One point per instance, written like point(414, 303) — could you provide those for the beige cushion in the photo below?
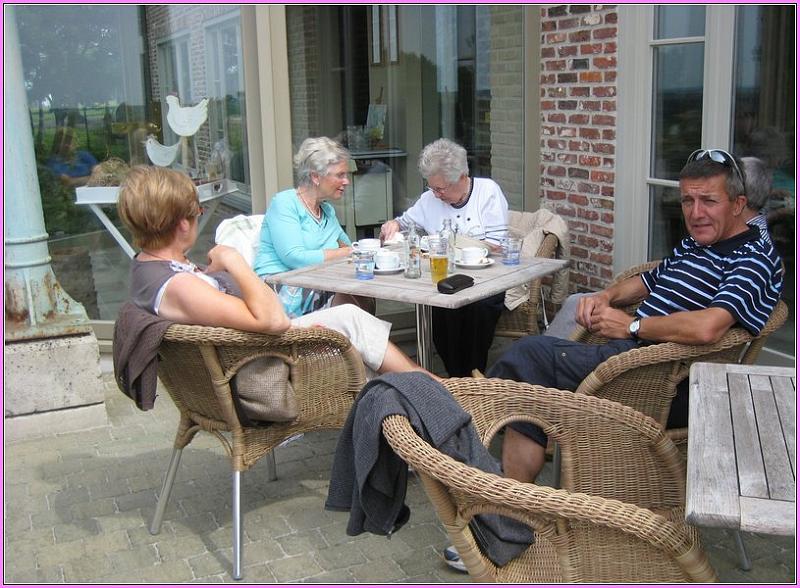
point(265, 391)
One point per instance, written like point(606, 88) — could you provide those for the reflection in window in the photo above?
point(673, 22)
point(175, 77)
point(677, 107)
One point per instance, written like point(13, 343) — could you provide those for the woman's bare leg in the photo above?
point(396, 361)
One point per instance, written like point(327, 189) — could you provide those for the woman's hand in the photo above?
point(388, 229)
point(340, 252)
point(223, 258)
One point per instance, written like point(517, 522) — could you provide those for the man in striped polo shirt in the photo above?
point(723, 274)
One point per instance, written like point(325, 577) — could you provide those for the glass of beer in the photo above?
point(437, 252)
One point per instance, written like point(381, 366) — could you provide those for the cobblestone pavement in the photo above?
point(77, 508)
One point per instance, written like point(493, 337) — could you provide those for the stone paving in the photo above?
point(77, 506)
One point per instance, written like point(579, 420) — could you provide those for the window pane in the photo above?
point(763, 127)
point(459, 74)
point(97, 84)
point(666, 221)
point(673, 22)
point(677, 107)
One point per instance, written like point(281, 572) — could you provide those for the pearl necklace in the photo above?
point(317, 215)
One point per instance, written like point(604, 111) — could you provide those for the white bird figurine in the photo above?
point(185, 120)
point(162, 155)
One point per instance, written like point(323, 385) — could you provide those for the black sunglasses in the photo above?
point(719, 156)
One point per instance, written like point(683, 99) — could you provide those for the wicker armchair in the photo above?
point(524, 320)
point(196, 366)
point(584, 533)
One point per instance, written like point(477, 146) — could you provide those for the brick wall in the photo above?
point(303, 55)
point(507, 62)
point(579, 115)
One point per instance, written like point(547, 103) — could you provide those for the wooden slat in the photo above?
point(786, 401)
point(752, 478)
point(712, 489)
point(768, 516)
point(765, 370)
point(773, 446)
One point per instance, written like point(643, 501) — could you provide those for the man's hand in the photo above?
point(611, 323)
point(588, 306)
point(388, 229)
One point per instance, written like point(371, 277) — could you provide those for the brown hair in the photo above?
point(152, 201)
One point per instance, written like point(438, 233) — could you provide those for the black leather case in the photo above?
point(454, 283)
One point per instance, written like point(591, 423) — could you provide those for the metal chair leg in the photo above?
point(166, 489)
point(237, 526)
point(272, 467)
point(744, 560)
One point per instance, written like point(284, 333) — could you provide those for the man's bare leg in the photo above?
point(523, 458)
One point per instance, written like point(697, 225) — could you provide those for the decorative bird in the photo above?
point(162, 155)
point(185, 120)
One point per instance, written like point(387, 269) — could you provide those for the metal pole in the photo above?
point(35, 304)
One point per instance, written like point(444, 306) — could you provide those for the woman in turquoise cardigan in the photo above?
point(301, 228)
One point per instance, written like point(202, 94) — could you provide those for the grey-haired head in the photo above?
point(316, 155)
point(444, 158)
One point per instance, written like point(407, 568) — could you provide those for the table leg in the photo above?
point(98, 212)
point(424, 321)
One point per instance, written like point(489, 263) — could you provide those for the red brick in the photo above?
point(603, 258)
point(601, 230)
point(588, 214)
point(579, 252)
point(607, 217)
point(604, 62)
point(567, 50)
point(591, 76)
point(591, 48)
point(603, 148)
point(578, 199)
point(609, 134)
point(604, 120)
point(579, 8)
point(555, 195)
point(587, 188)
point(546, 156)
point(579, 145)
point(577, 226)
point(592, 105)
point(555, 38)
point(601, 176)
point(609, 76)
point(582, 91)
point(606, 273)
point(589, 160)
point(567, 78)
point(556, 92)
point(557, 11)
point(608, 33)
point(607, 191)
point(578, 119)
point(610, 105)
point(587, 241)
point(557, 144)
point(555, 65)
point(568, 23)
point(576, 172)
point(597, 283)
point(557, 117)
point(579, 64)
point(548, 130)
point(548, 25)
point(548, 52)
point(603, 203)
point(556, 170)
point(610, 47)
point(548, 78)
point(589, 133)
point(567, 132)
point(567, 158)
point(567, 104)
point(580, 36)
point(578, 278)
point(547, 105)
point(609, 162)
point(604, 91)
point(611, 18)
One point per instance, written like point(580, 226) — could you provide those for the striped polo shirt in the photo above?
point(742, 274)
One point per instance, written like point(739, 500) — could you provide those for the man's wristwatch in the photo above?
point(633, 328)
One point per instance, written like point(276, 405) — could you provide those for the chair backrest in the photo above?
point(242, 233)
point(196, 365)
point(607, 449)
point(646, 378)
point(579, 538)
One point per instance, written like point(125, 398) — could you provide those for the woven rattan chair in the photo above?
point(196, 365)
point(524, 320)
point(584, 532)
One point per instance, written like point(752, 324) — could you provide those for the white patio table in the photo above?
point(339, 276)
point(741, 463)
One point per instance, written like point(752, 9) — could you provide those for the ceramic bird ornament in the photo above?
point(185, 120)
point(162, 155)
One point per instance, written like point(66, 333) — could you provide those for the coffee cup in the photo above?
point(367, 245)
point(473, 255)
point(387, 260)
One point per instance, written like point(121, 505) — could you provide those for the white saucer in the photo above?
point(386, 272)
point(487, 261)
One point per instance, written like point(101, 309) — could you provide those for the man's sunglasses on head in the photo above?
point(718, 155)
